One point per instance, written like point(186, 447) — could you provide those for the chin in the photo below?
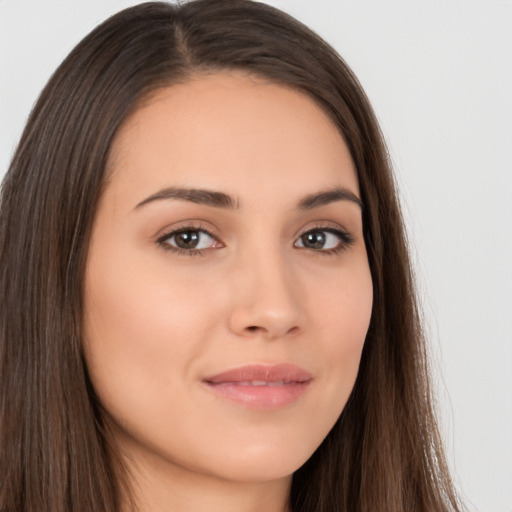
point(262, 462)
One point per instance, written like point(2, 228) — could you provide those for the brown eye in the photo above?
point(189, 239)
point(314, 239)
point(324, 240)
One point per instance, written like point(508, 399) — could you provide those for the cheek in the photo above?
point(342, 307)
point(144, 329)
point(342, 317)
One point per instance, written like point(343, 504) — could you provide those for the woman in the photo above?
point(207, 299)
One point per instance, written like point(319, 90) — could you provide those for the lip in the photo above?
point(261, 386)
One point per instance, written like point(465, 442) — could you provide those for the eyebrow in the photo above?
point(328, 196)
point(199, 196)
point(222, 200)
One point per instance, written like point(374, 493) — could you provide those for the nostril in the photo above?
point(252, 328)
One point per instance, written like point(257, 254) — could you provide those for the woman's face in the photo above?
point(227, 289)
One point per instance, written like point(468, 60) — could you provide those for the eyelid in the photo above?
point(187, 224)
point(183, 226)
point(346, 237)
point(325, 225)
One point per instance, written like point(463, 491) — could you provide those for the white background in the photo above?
point(439, 74)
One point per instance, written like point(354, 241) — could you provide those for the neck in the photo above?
point(170, 488)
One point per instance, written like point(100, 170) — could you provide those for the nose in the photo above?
point(266, 302)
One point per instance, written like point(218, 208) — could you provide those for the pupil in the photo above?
point(314, 239)
point(187, 239)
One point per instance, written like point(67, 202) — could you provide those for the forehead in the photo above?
point(233, 132)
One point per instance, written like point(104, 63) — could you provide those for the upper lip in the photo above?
point(284, 372)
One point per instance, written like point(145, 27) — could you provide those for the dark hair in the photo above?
point(384, 452)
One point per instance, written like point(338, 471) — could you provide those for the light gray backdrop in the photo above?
point(439, 74)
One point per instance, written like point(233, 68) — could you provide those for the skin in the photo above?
point(158, 322)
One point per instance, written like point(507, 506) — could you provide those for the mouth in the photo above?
point(263, 387)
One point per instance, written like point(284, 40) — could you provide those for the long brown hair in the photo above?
point(383, 454)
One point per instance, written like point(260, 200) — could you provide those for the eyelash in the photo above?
point(346, 240)
point(162, 241)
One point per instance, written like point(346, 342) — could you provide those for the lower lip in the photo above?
point(261, 397)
